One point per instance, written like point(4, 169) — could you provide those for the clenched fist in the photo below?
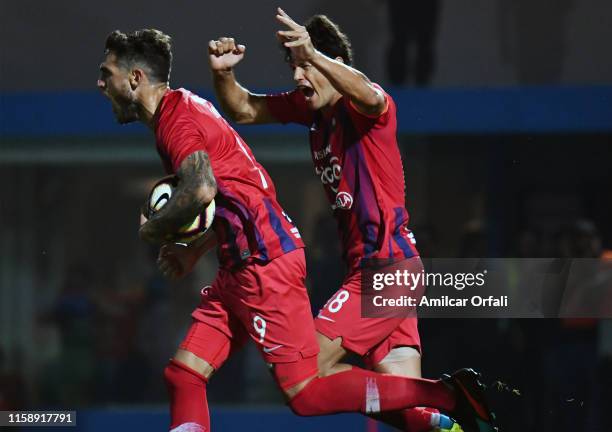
point(224, 53)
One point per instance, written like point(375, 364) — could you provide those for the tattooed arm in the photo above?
point(196, 188)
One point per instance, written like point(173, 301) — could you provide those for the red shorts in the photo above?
point(266, 302)
point(371, 338)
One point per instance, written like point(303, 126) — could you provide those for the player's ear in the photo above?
point(136, 77)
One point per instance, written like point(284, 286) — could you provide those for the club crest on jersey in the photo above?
point(344, 200)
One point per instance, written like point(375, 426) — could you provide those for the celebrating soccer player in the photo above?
point(352, 126)
point(259, 290)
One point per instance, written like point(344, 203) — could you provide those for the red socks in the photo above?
point(355, 390)
point(188, 404)
point(358, 390)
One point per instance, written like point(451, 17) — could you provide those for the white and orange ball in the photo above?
point(160, 195)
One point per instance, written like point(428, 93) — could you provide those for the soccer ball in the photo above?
point(160, 195)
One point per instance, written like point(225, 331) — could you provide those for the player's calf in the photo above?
point(188, 403)
point(368, 392)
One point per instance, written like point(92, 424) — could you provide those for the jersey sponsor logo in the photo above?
point(320, 154)
point(344, 200)
point(331, 174)
point(274, 348)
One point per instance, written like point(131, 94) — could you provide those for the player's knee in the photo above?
point(299, 409)
point(193, 362)
point(303, 402)
point(296, 379)
point(179, 376)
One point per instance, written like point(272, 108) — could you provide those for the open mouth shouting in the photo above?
point(306, 90)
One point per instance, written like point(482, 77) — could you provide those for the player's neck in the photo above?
point(149, 103)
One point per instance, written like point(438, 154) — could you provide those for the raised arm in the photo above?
point(346, 80)
point(195, 190)
point(237, 102)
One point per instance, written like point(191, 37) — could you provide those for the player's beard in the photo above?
point(125, 109)
point(126, 113)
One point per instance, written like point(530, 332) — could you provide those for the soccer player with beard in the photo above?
point(352, 125)
point(259, 290)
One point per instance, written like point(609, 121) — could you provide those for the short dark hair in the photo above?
point(327, 37)
point(149, 47)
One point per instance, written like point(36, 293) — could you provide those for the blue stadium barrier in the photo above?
point(552, 109)
point(222, 419)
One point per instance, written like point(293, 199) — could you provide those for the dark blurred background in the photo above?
point(505, 126)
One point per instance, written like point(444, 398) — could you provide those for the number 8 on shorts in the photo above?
point(336, 303)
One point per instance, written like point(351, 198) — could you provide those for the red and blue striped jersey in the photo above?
point(358, 161)
point(249, 222)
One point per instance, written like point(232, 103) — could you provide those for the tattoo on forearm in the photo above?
point(196, 187)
